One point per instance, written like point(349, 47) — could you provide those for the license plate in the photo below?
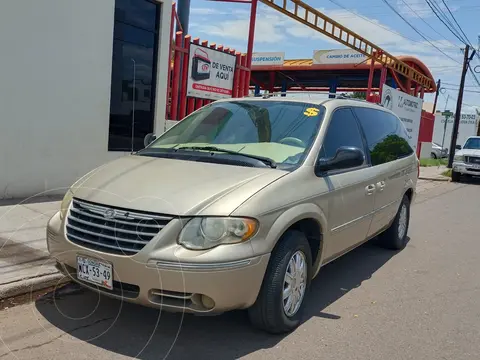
point(95, 272)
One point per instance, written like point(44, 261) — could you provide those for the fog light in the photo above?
point(208, 302)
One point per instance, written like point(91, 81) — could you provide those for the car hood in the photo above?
point(468, 152)
point(170, 186)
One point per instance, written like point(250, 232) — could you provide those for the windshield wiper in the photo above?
point(265, 160)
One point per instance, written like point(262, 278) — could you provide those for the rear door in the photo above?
point(392, 161)
point(350, 199)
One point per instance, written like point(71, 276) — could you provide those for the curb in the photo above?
point(26, 286)
point(443, 178)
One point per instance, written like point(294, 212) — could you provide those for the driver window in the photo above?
point(343, 130)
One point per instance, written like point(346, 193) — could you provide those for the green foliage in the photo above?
point(359, 95)
point(390, 149)
point(433, 162)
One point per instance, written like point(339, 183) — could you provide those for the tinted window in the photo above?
point(387, 138)
point(133, 73)
point(136, 12)
point(343, 130)
point(281, 130)
point(472, 143)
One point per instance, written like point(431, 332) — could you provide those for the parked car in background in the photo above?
point(438, 152)
point(467, 159)
point(238, 206)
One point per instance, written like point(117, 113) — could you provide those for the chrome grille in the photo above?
point(112, 230)
point(472, 160)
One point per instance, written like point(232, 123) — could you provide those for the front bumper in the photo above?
point(466, 168)
point(186, 282)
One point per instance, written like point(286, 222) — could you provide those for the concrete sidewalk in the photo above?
point(433, 173)
point(24, 262)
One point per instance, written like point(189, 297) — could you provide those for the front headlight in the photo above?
point(67, 199)
point(458, 158)
point(207, 233)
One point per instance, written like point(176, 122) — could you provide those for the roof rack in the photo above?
point(329, 94)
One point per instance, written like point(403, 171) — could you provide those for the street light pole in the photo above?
point(446, 121)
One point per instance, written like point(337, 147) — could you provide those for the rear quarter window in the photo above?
point(386, 136)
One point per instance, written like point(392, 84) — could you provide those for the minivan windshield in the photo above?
point(280, 131)
point(472, 143)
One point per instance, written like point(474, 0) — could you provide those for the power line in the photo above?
point(417, 31)
point(434, 9)
point(421, 18)
point(373, 22)
point(456, 85)
point(470, 91)
point(456, 22)
point(474, 76)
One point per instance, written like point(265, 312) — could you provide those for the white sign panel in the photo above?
point(268, 58)
point(466, 128)
point(407, 107)
point(210, 73)
point(346, 56)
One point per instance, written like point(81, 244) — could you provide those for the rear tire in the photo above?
point(395, 237)
point(272, 312)
point(433, 156)
point(455, 176)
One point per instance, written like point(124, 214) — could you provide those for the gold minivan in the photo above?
point(238, 206)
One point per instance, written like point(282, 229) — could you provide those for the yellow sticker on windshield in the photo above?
point(311, 112)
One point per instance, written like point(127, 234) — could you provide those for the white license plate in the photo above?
point(95, 272)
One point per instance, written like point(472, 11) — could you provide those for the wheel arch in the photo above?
point(310, 220)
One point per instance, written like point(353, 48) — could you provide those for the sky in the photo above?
point(438, 48)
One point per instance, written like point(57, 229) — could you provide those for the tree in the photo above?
point(359, 95)
point(355, 95)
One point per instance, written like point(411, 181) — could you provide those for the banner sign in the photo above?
point(346, 56)
point(268, 58)
point(210, 73)
point(407, 107)
point(442, 132)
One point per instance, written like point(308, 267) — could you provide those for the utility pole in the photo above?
point(458, 111)
point(439, 83)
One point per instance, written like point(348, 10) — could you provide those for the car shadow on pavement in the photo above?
point(146, 333)
point(473, 180)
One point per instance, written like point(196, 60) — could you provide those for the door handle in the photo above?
point(381, 185)
point(370, 189)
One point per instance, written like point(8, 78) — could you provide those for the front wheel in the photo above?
point(433, 156)
point(280, 303)
point(395, 237)
point(455, 176)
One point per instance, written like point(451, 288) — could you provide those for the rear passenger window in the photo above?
point(343, 130)
point(386, 136)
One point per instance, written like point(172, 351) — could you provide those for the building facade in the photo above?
point(81, 83)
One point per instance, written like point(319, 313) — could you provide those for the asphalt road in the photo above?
point(421, 303)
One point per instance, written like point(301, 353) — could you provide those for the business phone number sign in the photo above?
point(210, 73)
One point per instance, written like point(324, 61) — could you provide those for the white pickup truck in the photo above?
point(467, 159)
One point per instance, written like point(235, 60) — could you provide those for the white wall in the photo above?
point(55, 77)
point(466, 128)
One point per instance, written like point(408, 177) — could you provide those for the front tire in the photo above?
point(433, 156)
point(281, 301)
point(455, 176)
point(395, 237)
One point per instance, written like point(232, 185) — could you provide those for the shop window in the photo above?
point(134, 69)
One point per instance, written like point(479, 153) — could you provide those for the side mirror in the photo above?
point(458, 147)
point(148, 139)
point(345, 158)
